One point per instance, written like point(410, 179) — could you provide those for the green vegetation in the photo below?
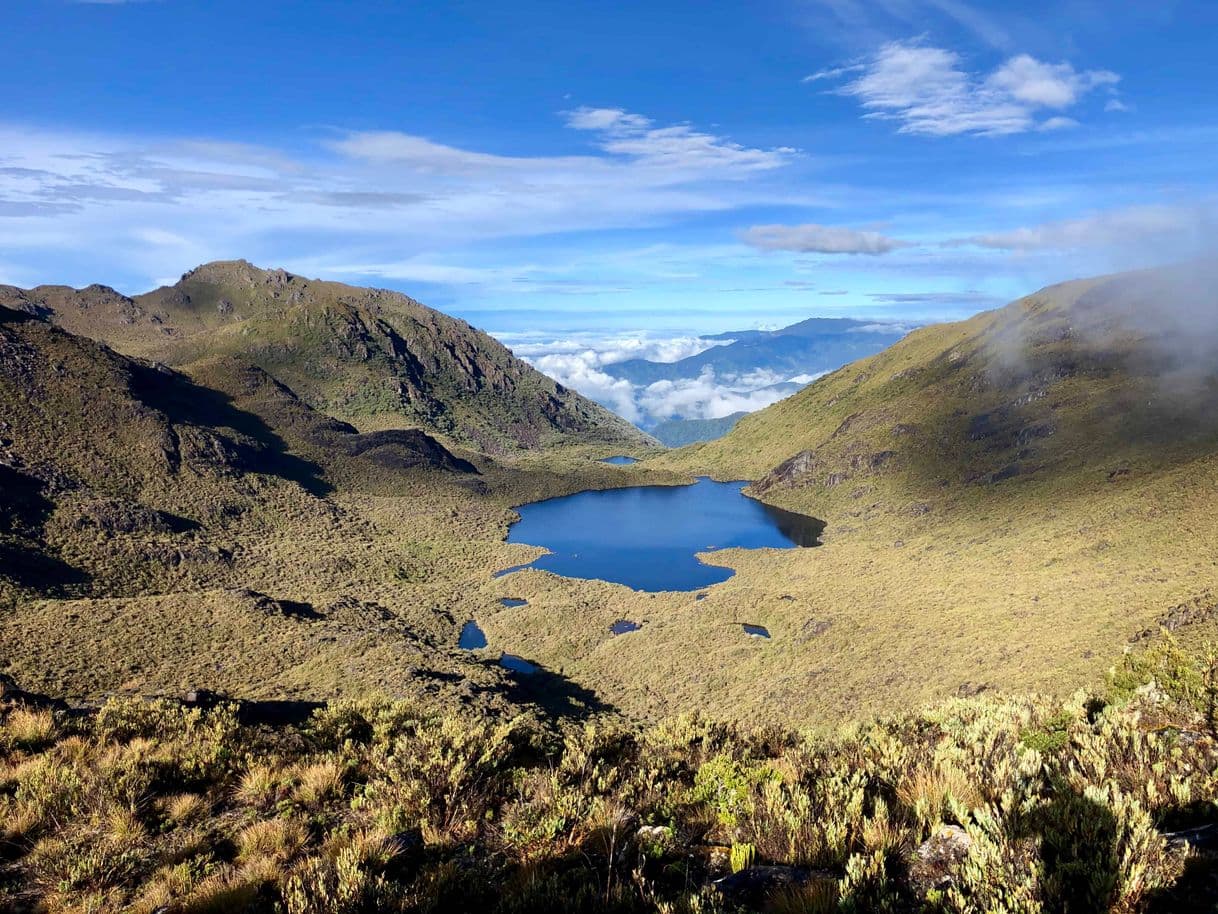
point(155, 806)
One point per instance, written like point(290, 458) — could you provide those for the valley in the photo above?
point(355, 566)
point(992, 527)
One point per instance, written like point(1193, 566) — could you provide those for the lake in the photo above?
point(621, 460)
point(647, 537)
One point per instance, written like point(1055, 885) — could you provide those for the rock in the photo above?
point(202, 697)
point(409, 840)
point(814, 628)
point(787, 473)
point(938, 856)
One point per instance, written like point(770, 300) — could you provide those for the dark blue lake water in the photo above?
point(646, 537)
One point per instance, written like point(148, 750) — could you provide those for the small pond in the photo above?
point(513, 602)
point(516, 664)
point(624, 627)
point(620, 461)
point(756, 631)
point(474, 639)
point(647, 537)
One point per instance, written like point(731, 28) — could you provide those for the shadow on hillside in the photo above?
point(50, 576)
point(1195, 892)
point(23, 507)
point(277, 712)
point(263, 450)
point(553, 693)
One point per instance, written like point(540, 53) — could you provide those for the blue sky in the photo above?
point(578, 167)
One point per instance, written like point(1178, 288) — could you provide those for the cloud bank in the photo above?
point(354, 198)
point(581, 362)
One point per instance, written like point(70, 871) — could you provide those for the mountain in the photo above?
point(809, 347)
point(680, 432)
point(115, 469)
point(1074, 382)
point(374, 358)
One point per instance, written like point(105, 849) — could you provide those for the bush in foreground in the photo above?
point(987, 804)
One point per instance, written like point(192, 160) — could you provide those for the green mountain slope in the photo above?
point(376, 358)
point(1084, 384)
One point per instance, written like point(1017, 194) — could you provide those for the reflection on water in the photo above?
point(756, 631)
point(624, 626)
point(512, 601)
point(620, 461)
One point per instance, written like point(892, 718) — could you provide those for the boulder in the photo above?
point(937, 857)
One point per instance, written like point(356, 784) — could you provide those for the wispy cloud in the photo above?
point(370, 194)
point(928, 92)
point(873, 19)
point(1179, 228)
point(820, 239)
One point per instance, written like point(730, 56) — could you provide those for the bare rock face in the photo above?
point(788, 473)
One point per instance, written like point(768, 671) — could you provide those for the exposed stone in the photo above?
point(936, 859)
point(1197, 610)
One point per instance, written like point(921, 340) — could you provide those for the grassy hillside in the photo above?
point(376, 358)
point(1073, 383)
point(680, 432)
point(162, 532)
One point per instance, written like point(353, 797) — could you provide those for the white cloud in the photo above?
point(822, 239)
point(579, 371)
point(1057, 123)
point(361, 197)
point(1047, 85)
point(806, 379)
point(608, 350)
point(927, 90)
point(580, 362)
point(1178, 227)
point(679, 146)
point(704, 397)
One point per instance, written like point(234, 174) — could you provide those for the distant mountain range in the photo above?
point(757, 367)
point(811, 347)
